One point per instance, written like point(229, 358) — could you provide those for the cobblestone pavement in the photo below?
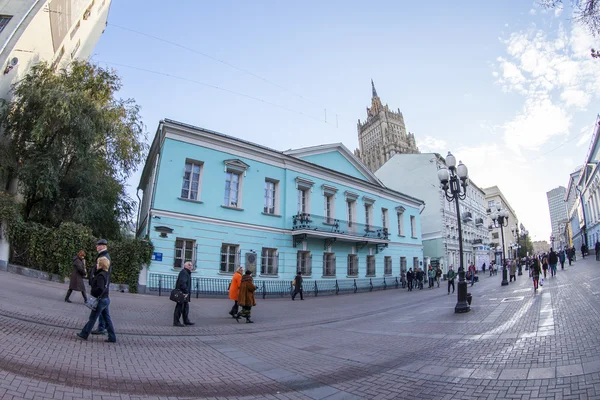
point(514, 344)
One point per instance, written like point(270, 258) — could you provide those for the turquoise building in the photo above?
point(222, 202)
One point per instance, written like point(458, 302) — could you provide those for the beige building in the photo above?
point(495, 198)
point(382, 135)
point(541, 246)
point(56, 31)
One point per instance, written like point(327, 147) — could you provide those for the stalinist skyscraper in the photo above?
point(382, 135)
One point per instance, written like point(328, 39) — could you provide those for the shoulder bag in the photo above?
point(92, 302)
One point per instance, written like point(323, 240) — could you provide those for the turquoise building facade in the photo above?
point(221, 202)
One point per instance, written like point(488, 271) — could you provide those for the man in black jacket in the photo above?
point(184, 283)
point(298, 286)
point(552, 260)
point(102, 249)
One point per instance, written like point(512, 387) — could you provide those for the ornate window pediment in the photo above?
point(236, 164)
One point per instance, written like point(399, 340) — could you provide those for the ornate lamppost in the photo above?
point(454, 180)
point(584, 231)
point(500, 220)
point(523, 234)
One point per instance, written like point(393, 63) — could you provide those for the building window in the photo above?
point(328, 264)
point(4, 20)
point(387, 265)
point(495, 235)
point(230, 258)
point(400, 216)
point(232, 189)
point(403, 265)
point(271, 196)
point(59, 57)
point(185, 250)
point(303, 198)
point(351, 207)
point(74, 52)
point(370, 265)
point(191, 180)
point(304, 263)
point(352, 265)
point(384, 218)
point(269, 261)
point(73, 32)
point(368, 217)
point(329, 208)
point(415, 263)
point(413, 226)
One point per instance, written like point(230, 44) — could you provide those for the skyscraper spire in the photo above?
point(374, 90)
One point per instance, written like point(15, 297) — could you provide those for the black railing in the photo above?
point(305, 221)
point(162, 284)
point(479, 221)
point(477, 241)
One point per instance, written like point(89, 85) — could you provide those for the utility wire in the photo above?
point(214, 87)
point(214, 59)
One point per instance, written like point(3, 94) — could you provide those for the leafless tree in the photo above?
point(587, 12)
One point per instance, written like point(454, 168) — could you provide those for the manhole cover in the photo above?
point(509, 299)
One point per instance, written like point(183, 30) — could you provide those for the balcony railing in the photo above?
point(466, 217)
point(319, 223)
point(477, 241)
point(479, 222)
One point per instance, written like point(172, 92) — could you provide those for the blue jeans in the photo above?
point(100, 311)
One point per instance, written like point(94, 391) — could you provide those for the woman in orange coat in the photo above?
point(234, 291)
point(246, 298)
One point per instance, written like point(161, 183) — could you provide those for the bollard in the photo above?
point(337, 287)
point(384, 284)
point(264, 290)
point(370, 285)
point(396, 282)
point(316, 289)
point(159, 285)
point(355, 287)
point(197, 288)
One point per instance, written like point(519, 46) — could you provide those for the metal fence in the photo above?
point(162, 284)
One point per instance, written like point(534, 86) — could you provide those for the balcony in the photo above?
point(466, 216)
point(479, 222)
point(331, 229)
point(477, 241)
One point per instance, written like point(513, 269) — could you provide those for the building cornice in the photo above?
point(214, 140)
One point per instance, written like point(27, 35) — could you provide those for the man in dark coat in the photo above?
point(102, 249)
point(298, 286)
point(409, 279)
point(184, 283)
point(552, 260)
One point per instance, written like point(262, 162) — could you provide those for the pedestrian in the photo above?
point(552, 260)
point(451, 275)
point(420, 276)
point(561, 258)
point(246, 299)
point(513, 271)
point(583, 251)
point(184, 283)
point(597, 250)
point(409, 279)
point(438, 275)
point(102, 250)
point(79, 272)
point(545, 264)
point(234, 290)
point(297, 283)
point(570, 255)
point(472, 270)
point(431, 276)
point(483, 268)
point(534, 270)
point(100, 290)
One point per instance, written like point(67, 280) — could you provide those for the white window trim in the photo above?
point(329, 219)
point(239, 190)
point(400, 220)
point(413, 226)
point(236, 249)
point(277, 196)
point(385, 221)
point(200, 175)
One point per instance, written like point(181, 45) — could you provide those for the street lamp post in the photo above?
point(500, 220)
point(454, 180)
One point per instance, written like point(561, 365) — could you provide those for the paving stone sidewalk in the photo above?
point(514, 344)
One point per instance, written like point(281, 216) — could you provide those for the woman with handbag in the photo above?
point(79, 272)
point(100, 289)
point(246, 298)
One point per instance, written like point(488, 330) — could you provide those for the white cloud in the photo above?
point(557, 78)
point(430, 144)
point(532, 11)
point(558, 10)
point(586, 134)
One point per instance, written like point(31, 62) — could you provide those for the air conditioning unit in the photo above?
point(250, 262)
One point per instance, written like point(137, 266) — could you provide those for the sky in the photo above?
point(507, 86)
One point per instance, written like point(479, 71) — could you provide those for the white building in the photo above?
point(55, 31)
point(495, 198)
point(416, 174)
point(558, 216)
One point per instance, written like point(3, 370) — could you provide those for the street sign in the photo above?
point(157, 256)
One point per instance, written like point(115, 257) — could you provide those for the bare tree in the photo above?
point(587, 12)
